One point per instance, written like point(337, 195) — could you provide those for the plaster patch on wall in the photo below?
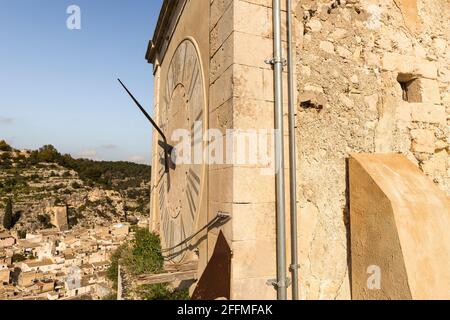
point(410, 14)
point(374, 21)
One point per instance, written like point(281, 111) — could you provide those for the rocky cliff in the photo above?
point(95, 193)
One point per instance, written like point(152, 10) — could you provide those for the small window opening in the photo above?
point(404, 86)
point(406, 82)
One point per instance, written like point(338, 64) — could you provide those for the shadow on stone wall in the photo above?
point(346, 217)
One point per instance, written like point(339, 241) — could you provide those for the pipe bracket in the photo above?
point(280, 284)
point(223, 215)
point(293, 267)
point(274, 61)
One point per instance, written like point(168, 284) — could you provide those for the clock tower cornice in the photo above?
point(170, 13)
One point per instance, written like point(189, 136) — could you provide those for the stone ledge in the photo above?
point(408, 65)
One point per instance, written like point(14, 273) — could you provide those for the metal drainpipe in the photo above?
point(279, 154)
point(292, 158)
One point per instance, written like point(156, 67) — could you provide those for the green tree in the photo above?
point(8, 217)
point(4, 146)
point(48, 153)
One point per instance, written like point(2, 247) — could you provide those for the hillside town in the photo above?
point(59, 265)
point(62, 218)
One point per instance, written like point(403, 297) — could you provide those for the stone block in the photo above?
point(222, 59)
point(344, 52)
point(221, 118)
point(403, 115)
point(240, 289)
point(409, 66)
point(248, 82)
point(314, 25)
point(338, 33)
point(221, 31)
point(253, 221)
point(253, 114)
point(436, 165)
point(221, 185)
point(218, 8)
point(444, 75)
point(4, 276)
point(423, 141)
point(428, 112)
point(252, 19)
point(423, 90)
point(221, 90)
point(326, 46)
point(252, 50)
point(251, 186)
point(254, 259)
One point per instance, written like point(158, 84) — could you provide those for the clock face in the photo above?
point(182, 107)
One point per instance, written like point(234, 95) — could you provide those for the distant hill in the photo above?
point(95, 191)
point(116, 175)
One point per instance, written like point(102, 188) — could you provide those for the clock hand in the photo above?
point(163, 144)
point(168, 149)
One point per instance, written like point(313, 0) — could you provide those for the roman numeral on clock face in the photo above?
point(192, 192)
point(194, 181)
point(194, 81)
point(162, 196)
point(196, 134)
point(184, 55)
point(183, 232)
point(165, 224)
point(172, 233)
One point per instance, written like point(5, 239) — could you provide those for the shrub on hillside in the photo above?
point(4, 146)
point(143, 256)
point(45, 221)
point(161, 292)
point(8, 216)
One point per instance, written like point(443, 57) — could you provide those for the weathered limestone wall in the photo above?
point(353, 60)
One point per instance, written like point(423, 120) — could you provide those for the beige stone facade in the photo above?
point(371, 76)
point(4, 276)
point(59, 217)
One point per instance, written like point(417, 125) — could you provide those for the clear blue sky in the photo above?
point(58, 86)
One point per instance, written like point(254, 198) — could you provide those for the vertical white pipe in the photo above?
point(292, 157)
point(279, 154)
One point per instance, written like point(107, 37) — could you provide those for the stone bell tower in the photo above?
point(371, 78)
point(233, 39)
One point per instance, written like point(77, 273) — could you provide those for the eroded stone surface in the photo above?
point(390, 41)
